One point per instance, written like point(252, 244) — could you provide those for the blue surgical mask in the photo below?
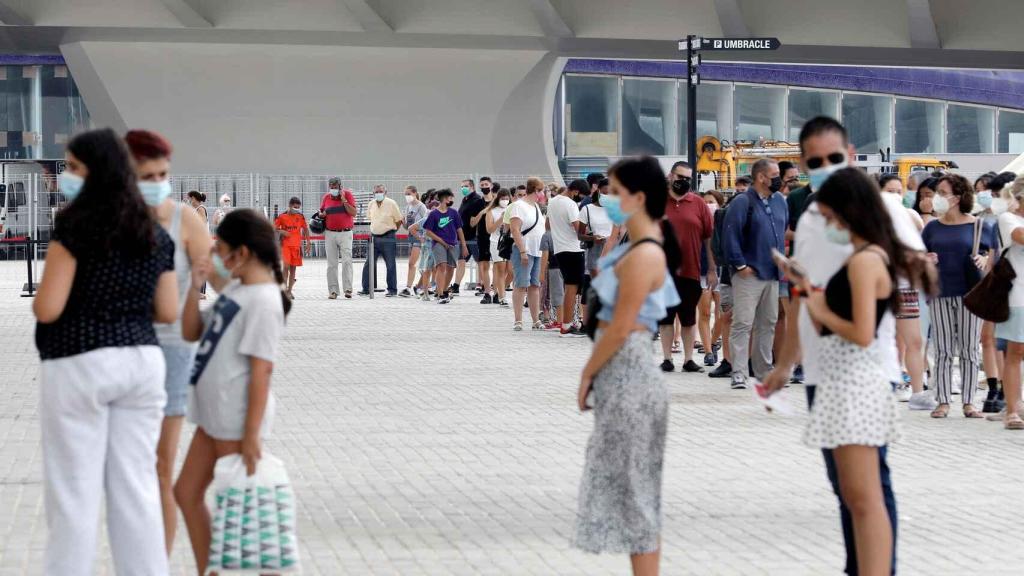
point(613, 206)
point(818, 176)
point(984, 198)
point(70, 185)
point(154, 193)
point(837, 235)
point(379, 196)
point(219, 267)
point(910, 198)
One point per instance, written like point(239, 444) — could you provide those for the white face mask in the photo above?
point(503, 203)
point(378, 196)
point(940, 205)
point(1000, 205)
point(335, 192)
point(713, 206)
point(409, 199)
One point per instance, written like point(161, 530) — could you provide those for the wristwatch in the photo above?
point(740, 268)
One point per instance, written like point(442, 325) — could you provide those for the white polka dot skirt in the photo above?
point(854, 403)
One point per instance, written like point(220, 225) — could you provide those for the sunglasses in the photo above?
point(833, 158)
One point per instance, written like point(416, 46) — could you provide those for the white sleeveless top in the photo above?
point(170, 334)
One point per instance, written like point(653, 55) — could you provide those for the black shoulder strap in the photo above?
point(536, 220)
point(644, 241)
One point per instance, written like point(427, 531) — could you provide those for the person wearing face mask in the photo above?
point(385, 220)
point(958, 244)
point(709, 292)
point(692, 226)
point(754, 224)
point(415, 210)
point(222, 210)
point(495, 213)
point(790, 177)
point(619, 504)
point(854, 414)
point(230, 400)
point(152, 155)
point(1010, 205)
point(294, 240)
point(444, 227)
point(825, 151)
point(471, 205)
point(483, 240)
point(923, 199)
point(527, 223)
point(338, 209)
point(101, 375)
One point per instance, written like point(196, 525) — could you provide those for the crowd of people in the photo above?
point(844, 284)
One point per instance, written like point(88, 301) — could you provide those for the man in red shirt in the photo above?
point(691, 223)
point(338, 208)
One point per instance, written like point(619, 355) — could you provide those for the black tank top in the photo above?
point(839, 297)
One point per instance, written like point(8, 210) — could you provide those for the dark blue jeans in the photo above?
point(384, 246)
point(844, 512)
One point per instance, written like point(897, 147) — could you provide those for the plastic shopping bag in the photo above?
point(253, 527)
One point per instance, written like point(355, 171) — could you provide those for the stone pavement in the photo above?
point(427, 439)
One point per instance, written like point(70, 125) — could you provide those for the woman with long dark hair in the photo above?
point(854, 412)
point(620, 493)
point(109, 276)
point(923, 199)
point(495, 211)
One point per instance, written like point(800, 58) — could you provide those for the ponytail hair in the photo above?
point(246, 227)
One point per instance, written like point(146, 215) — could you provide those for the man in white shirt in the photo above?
point(563, 214)
point(825, 149)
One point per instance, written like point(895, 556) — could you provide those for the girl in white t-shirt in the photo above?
point(494, 224)
point(230, 400)
point(1011, 230)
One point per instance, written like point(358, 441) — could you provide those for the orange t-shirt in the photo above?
point(293, 225)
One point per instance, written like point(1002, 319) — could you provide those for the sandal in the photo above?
point(1013, 422)
point(971, 412)
point(941, 411)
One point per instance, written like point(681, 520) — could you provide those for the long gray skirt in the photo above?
point(620, 493)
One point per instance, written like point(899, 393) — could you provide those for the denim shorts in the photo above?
point(528, 275)
point(179, 359)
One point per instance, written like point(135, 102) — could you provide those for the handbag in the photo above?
point(505, 241)
point(253, 528)
point(588, 244)
point(990, 297)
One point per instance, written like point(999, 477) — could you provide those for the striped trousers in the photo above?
point(957, 332)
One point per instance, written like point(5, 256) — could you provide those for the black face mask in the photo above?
point(776, 184)
point(485, 191)
point(681, 185)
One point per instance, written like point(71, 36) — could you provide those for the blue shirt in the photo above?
point(753, 226)
point(606, 286)
point(953, 244)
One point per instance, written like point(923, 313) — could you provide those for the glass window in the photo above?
point(648, 117)
point(969, 129)
point(714, 112)
point(760, 112)
point(807, 104)
point(919, 127)
point(64, 112)
point(868, 119)
point(1011, 132)
point(17, 111)
point(591, 115)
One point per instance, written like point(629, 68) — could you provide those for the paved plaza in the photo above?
point(433, 440)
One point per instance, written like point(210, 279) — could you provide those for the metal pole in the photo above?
point(28, 262)
point(691, 104)
point(371, 261)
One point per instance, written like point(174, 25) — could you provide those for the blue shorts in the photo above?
point(528, 275)
point(474, 251)
point(179, 359)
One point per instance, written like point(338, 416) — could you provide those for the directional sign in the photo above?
point(740, 44)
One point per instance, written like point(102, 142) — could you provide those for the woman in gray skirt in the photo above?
point(620, 493)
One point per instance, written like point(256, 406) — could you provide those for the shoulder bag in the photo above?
point(989, 299)
point(505, 241)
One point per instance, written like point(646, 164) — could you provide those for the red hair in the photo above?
point(146, 145)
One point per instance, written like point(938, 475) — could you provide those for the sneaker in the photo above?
point(692, 366)
point(454, 289)
point(538, 325)
point(903, 393)
point(739, 381)
point(571, 332)
point(425, 297)
point(923, 401)
point(553, 326)
point(668, 366)
point(444, 300)
point(495, 300)
point(798, 374)
point(348, 294)
point(711, 359)
point(333, 296)
point(405, 293)
point(486, 299)
point(391, 294)
point(504, 303)
point(517, 326)
point(906, 378)
point(724, 370)
point(361, 293)
point(699, 348)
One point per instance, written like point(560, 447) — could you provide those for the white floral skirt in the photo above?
point(854, 403)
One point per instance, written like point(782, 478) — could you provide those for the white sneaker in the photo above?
point(923, 400)
point(903, 393)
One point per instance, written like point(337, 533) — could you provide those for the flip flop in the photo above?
point(1013, 422)
point(941, 411)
